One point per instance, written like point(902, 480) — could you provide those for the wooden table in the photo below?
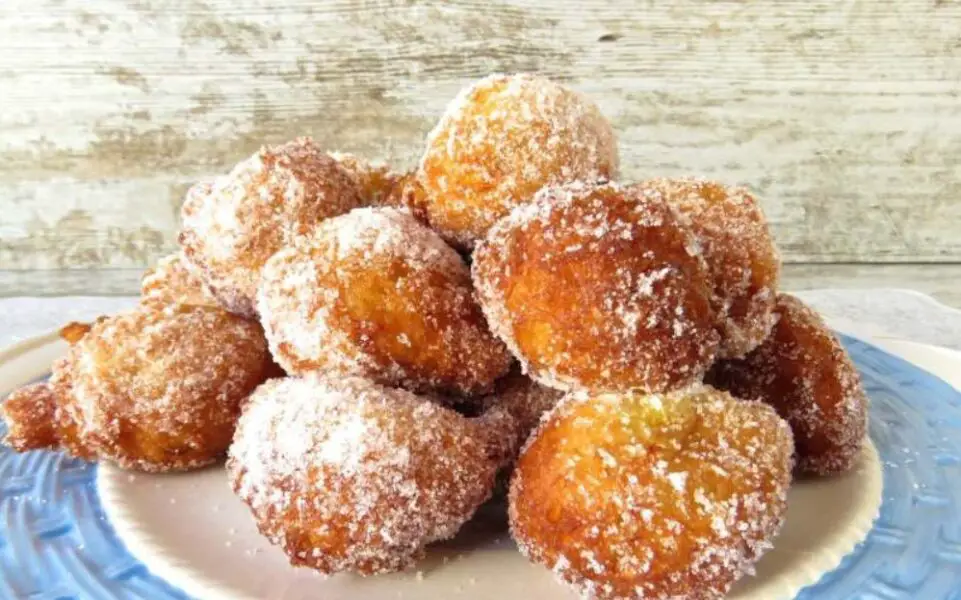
point(844, 117)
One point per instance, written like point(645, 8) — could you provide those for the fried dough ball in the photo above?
point(347, 475)
point(741, 257)
point(500, 431)
point(502, 139)
point(38, 416)
point(29, 414)
point(379, 186)
point(158, 389)
point(661, 496)
point(806, 375)
point(597, 287)
point(67, 415)
point(374, 293)
point(261, 206)
point(171, 281)
point(513, 411)
point(374, 182)
point(526, 399)
point(408, 194)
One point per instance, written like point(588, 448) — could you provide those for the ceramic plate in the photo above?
point(72, 530)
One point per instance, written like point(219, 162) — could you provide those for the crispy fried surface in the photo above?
point(501, 140)
point(512, 412)
point(171, 281)
point(231, 228)
point(807, 376)
point(526, 399)
point(661, 496)
point(158, 389)
point(67, 416)
point(740, 254)
point(73, 332)
point(29, 414)
point(595, 286)
point(407, 194)
point(374, 181)
point(377, 294)
point(347, 475)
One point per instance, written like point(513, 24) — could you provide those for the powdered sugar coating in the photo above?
point(347, 475)
point(408, 194)
point(740, 254)
point(526, 399)
point(172, 281)
point(29, 414)
point(67, 416)
point(158, 389)
point(501, 432)
point(513, 411)
point(375, 293)
point(262, 205)
point(666, 496)
point(806, 375)
point(502, 139)
point(598, 287)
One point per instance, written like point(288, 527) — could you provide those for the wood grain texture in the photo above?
point(845, 117)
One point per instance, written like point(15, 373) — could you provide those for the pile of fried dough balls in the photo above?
point(374, 351)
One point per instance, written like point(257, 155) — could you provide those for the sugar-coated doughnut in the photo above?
point(806, 375)
point(659, 497)
point(598, 287)
point(375, 293)
point(171, 281)
point(502, 139)
point(158, 389)
point(348, 475)
point(231, 228)
point(741, 257)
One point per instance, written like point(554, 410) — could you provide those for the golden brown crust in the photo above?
point(29, 414)
point(375, 293)
point(171, 281)
point(526, 399)
point(741, 257)
point(66, 416)
point(598, 287)
point(664, 496)
point(806, 375)
point(347, 475)
point(158, 389)
point(512, 412)
point(501, 140)
point(74, 331)
point(407, 194)
point(375, 182)
point(231, 228)
point(501, 433)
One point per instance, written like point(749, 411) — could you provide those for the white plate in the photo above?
point(193, 532)
point(190, 530)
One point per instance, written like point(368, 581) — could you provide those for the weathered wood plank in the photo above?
point(939, 281)
point(87, 223)
point(845, 117)
point(70, 282)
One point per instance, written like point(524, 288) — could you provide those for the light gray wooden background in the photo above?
point(843, 115)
